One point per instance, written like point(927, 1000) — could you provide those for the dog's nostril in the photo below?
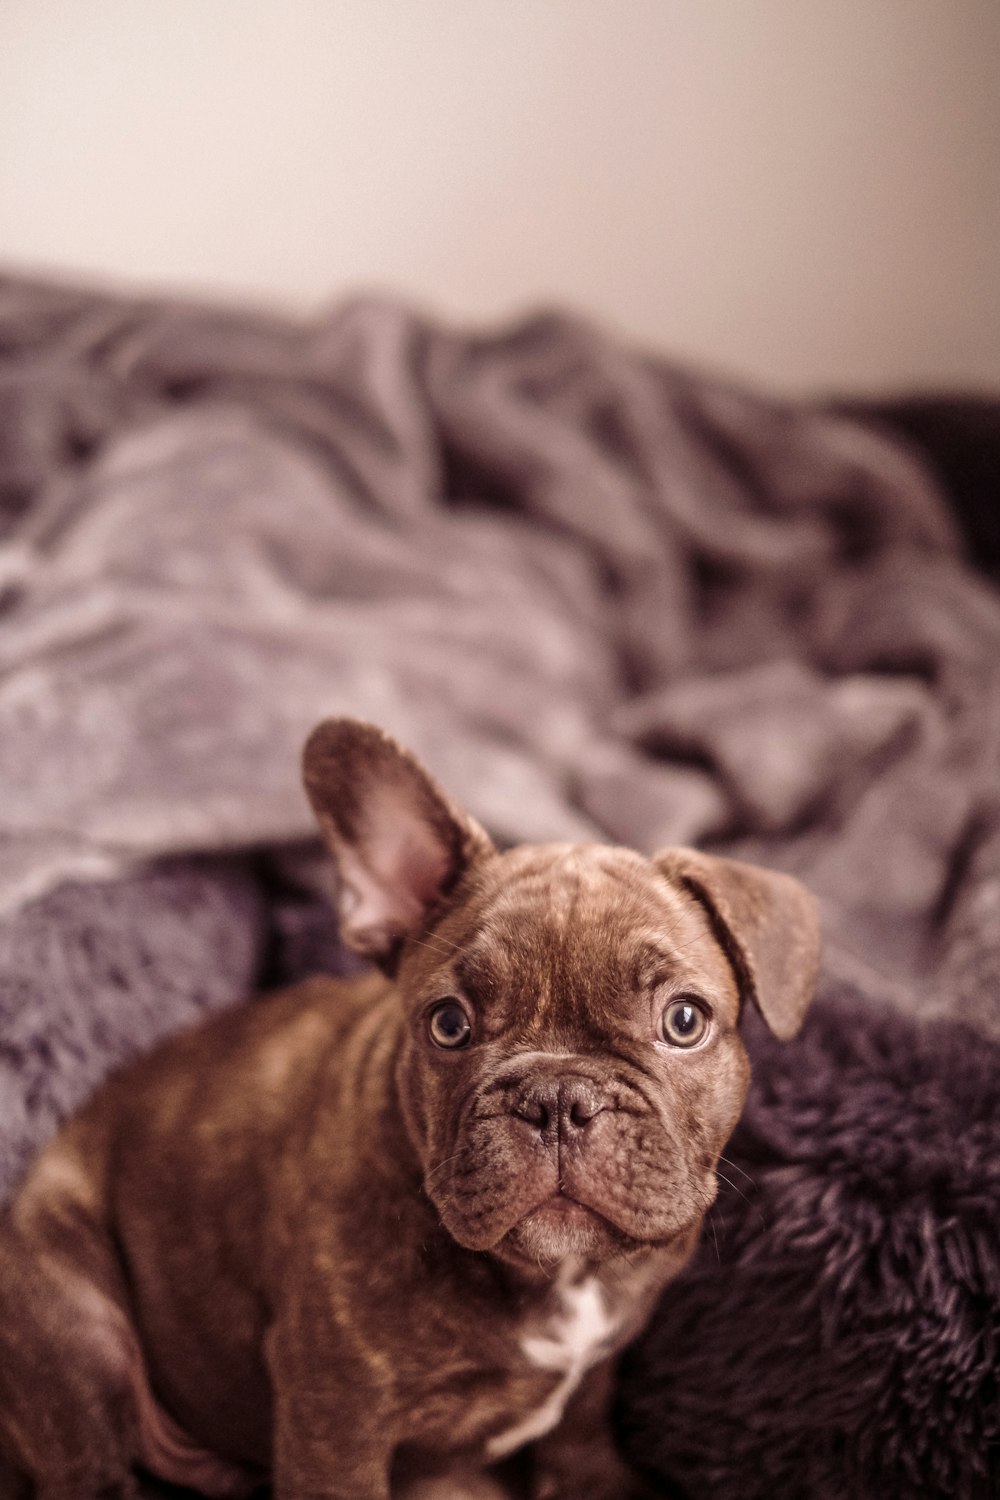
point(579, 1102)
point(581, 1113)
point(533, 1111)
point(572, 1101)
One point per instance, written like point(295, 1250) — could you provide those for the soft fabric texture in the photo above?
point(598, 595)
point(601, 596)
point(92, 974)
point(838, 1335)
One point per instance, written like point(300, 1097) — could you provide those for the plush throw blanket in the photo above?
point(602, 596)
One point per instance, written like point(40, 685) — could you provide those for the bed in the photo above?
point(603, 596)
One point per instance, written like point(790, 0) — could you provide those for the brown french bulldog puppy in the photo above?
point(365, 1237)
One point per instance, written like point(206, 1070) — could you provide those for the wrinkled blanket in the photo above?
point(601, 595)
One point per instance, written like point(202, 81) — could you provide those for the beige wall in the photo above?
point(805, 190)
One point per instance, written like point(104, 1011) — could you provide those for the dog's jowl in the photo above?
point(363, 1238)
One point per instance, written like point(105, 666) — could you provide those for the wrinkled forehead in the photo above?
point(566, 927)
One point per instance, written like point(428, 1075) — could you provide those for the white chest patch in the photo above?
point(575, 1337)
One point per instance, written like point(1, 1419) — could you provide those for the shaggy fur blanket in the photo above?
point(603, 597)
point(838, 1335)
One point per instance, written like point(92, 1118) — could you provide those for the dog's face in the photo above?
point(571, 1066)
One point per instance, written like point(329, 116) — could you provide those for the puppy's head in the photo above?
point(571, 1065)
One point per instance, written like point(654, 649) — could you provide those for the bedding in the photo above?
point(603, 596)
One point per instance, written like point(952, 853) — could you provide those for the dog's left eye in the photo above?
point(448, 1025)
point(684, 1022)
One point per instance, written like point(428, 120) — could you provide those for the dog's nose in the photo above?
point(569, 1102)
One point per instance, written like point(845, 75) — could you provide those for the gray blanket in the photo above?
point(602, 596)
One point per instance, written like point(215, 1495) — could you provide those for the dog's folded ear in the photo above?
point(768, 925)
point(399, 844)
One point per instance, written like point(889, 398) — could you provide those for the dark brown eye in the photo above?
point(684, 1022)
point(448, 1025)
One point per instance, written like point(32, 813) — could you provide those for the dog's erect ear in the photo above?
point(398, 842)
point(768, 924)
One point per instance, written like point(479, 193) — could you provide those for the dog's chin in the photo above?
point(560, 1229)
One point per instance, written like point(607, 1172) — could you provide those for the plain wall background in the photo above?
point(806, 191)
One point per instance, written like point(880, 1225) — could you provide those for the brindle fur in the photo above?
point(301, 1240)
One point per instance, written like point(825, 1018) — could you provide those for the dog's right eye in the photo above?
point(448, 1025)
point(684, 1022)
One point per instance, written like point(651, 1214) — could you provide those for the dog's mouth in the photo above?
point(562, 1208)
point(619, 1191)
point(560, 1226)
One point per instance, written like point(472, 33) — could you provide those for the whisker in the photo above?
point(440, 946)
point(440, 1167)
point(683, 947)
point(735, 1187)
point(736, 1168)
point(447, 942)
point(739, 1191)
point(715, 1237)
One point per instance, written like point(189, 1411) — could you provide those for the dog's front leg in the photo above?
point(325, 1450)
point(579, 1456)
point(331, 1437)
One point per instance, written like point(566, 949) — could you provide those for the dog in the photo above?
point(361, 1238)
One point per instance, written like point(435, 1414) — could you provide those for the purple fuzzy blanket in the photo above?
point(601, 596)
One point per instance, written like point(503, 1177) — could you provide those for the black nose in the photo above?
point(570, 1103)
